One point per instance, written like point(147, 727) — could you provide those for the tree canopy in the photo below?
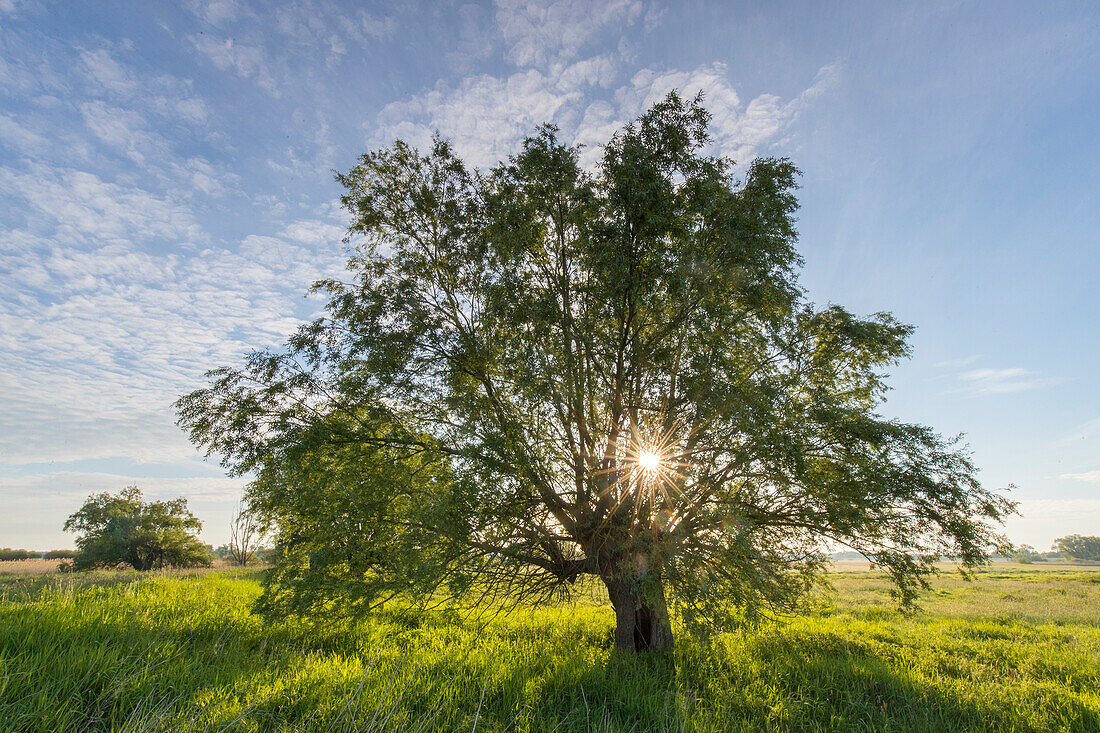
point(117, 529)
point(1078, 547)
point(539, 373)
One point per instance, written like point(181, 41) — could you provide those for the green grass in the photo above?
point(1018, 649)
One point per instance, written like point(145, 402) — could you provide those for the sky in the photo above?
point(167, 197)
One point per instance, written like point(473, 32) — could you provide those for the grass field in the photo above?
point(1018, 649)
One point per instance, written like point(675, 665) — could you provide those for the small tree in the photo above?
point(538, 373)
point(122, 529)
point(244, 537)
point(1078, 547)
point(1026, 554)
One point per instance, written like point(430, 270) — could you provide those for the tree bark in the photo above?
point(641, 619)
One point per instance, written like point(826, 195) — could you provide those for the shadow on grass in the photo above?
point(828, 682)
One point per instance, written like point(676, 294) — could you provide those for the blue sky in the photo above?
point(166, 198)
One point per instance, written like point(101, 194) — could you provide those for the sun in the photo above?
point(649, 460)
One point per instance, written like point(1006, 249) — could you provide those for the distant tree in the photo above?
point(1026, 554)
point(244, 537)
point(122, 529)
point(538, 373)
point(1078, 547)
point(60, 555)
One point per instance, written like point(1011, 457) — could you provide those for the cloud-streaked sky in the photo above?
point(166, 198)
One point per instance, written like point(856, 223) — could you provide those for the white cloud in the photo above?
point(363, 27)
point(103, 68)
point(991, 380)
point(85, 207)
point(486, 117)
point(20, 137)
point(246, 60)
point(318, 25)
point(101, 334)
point(538, 34)
point(190, 109)
point(1003, 381)
point(739, 130)
point(475, 41)
point(317, 31)
point(26, 70)
point(313, 232)
point(215, 12)
point(122, 129)
point(653, 17)
point(168, 96)
point(198, 175)
point(126, 132)
point(1092, 477)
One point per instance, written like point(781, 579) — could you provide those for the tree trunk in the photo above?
point(641, 620)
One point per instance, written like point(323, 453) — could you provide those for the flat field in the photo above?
point(1016, 650)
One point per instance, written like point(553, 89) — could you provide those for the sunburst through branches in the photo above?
point(656, 464)
point(649, 460)
point(650, 477)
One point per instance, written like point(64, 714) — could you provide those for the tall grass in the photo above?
point(28, 566)
point(181, 651)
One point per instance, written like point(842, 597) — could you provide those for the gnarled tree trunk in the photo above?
point(641, 616)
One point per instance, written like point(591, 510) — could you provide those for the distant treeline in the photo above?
point(1074, 547)
point(8, 553)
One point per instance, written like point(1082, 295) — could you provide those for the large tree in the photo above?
point(122, 529)
point(1078, 547)
point(540, 373)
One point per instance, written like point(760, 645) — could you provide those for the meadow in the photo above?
point(1018, 649)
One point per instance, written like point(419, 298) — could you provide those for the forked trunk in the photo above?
point(641, 619)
